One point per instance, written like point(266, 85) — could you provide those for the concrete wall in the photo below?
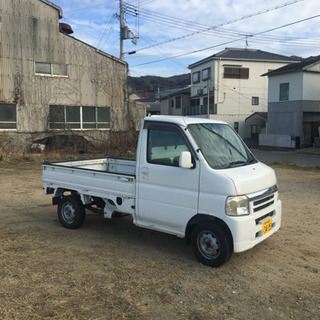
point(29, 33)
point(276, 140)
point(295, 81)
point(311, 84)
point(285, 118)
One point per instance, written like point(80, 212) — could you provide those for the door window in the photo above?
point(165, 145)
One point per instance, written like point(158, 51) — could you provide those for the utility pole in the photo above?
point(122, 30)
point(208, 110)
point(125, 32)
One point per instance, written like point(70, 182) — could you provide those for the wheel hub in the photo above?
point(208, 245)
point(68, 213)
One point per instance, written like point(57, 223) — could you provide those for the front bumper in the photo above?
point(247, 230)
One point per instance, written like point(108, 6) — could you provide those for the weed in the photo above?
point(285, 165)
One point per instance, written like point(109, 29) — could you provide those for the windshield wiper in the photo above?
point(236, 164)
point(240, 163)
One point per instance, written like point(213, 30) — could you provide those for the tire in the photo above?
point(71, 212)
point(211, 244)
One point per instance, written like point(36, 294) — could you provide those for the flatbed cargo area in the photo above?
point(110, 165)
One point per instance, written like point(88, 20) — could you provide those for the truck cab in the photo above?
point(221, 189)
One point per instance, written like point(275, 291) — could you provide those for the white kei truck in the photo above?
point(192, 177)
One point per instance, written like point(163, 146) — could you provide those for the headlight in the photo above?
point(237, 206)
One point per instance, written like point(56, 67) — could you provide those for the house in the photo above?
point(152, 105)
point(231, 81)
point(294, 105)
point(53, 84)
point(175, 100)
point(255, 124)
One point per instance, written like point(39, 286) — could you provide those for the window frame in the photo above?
point(178, 102)
point(236, 126)
point(284, 91)
point(235, 72)
point(5, 122)
point(82, 124)
point(208, 77)
point(197, 75)
point(255, 129)
point(166, 128)
point(255, 101)
point(52, 73)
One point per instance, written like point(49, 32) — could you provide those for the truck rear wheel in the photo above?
point(211, 244)
point(71, 212)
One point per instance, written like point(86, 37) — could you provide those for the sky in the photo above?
point(169, 35)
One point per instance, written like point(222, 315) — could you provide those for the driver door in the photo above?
point(167, 195)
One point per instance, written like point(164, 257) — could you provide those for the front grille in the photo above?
point(262, 218)
point(263, 203)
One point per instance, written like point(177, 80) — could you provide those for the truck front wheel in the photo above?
point(71, 212)
point(211, 244)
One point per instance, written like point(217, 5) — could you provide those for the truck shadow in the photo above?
point(122, 233)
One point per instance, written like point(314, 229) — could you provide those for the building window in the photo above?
point(236, 73)
point(8, 116)
point(236, 127)
point(284, 92)
point(196, 77)
point(195, 102)
point(51, 69)
point(255, 129)
point(255, 101)
point(79, 117)
point(206, 74)
point(178, 102)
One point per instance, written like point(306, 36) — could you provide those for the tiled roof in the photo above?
point(293, 67)
point(261, 114)
point(172, 91)
point(247, 55)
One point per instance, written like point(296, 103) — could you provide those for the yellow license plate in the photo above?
point(266, 226)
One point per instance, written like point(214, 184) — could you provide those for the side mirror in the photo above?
point(185, 160)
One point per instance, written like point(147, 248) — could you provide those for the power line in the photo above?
point(222, 44)
point(85, 8)
point(223, 24)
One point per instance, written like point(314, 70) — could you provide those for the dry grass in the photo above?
point(110, 269)
point(122, 145)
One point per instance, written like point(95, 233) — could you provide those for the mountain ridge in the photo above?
point(147, 86)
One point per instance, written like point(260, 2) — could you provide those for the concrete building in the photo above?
point(231, 81)
point(175, 101)
point(294, 105)
point(52, 83)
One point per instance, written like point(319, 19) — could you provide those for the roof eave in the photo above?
point(49, 3)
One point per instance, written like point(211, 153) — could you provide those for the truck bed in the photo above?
point(102, 178)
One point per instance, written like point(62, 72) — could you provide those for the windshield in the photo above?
point(220, 145)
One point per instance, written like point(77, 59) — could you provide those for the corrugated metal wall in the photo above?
point(29, 33)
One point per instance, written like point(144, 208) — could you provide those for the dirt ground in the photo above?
point(110, 269)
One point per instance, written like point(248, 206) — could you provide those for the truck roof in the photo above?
point(181, 120)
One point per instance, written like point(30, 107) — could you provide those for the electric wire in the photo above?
point(228, 42)
point(223, 24)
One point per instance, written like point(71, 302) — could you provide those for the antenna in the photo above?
point(246, 37)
